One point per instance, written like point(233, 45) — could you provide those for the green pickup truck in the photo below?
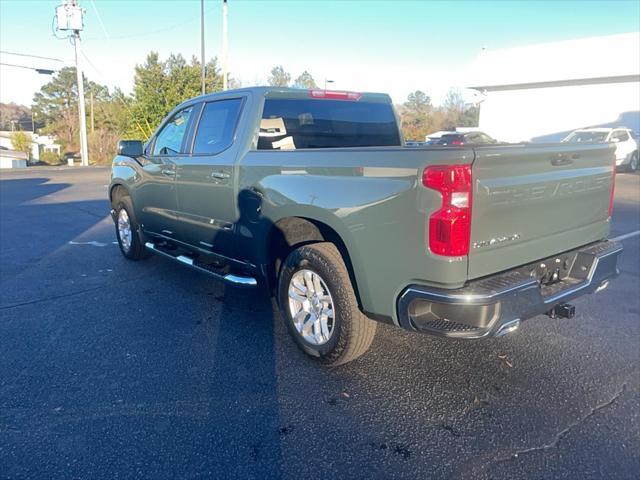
point(312, 195)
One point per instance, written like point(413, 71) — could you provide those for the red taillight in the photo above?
point(457, 142)
point(450, 226)
point(613, 186)
point(335, 95)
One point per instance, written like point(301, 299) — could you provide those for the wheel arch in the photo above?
point(116, 191)
point(289, 233)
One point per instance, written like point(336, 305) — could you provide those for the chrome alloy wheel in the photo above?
point(311, 307)
point(124, 229)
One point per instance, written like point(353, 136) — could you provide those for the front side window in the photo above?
point(289, 124)
point(217, 126)
point(586, 137)
point(169, 140)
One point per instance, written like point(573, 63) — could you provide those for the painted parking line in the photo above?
point(625, 236)
point(92, 242)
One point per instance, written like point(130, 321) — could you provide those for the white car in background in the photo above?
point(626, 145)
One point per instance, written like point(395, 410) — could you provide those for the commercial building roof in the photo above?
point(613, 58)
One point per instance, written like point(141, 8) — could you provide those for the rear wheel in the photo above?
point(319, 306)
point(128, 231)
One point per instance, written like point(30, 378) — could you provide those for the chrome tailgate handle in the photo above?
point(563, 159)
point(169, 172)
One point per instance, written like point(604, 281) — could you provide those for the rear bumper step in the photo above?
point(230, 278)
point(495, 305)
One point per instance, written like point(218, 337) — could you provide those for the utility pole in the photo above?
point(84, 154)
point(92, 124)
point(225, 45)
point(69, 18)
point(202, 45)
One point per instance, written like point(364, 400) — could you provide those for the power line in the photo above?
point(153, 32)
point(44, 71)
point(104, 30)
point(121, 100)
point(31, 56)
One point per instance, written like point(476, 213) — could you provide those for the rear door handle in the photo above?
point(220, 175)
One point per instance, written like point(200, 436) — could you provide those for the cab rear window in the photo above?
point(289, 124)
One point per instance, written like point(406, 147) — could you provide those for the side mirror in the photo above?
point(130, 148)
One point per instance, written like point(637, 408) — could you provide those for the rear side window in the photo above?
point(621, 135)
point(217, 126)
point(169, 140)
point(447, 139)
point(289, 124)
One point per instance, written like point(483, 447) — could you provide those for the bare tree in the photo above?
point(305, 80)
point(279, 77)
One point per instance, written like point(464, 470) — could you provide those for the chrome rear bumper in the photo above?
point(494, 305)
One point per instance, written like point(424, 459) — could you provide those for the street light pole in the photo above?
point(225, 45)
point(202, 45)
point(84, 154)
point(327, 81)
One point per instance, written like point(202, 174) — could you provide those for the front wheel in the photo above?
point(633, 164)
point(319, 306)
point(127, 231)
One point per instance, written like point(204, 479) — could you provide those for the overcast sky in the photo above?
point(388, 46)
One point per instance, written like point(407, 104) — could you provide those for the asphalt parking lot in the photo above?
point(116, 369)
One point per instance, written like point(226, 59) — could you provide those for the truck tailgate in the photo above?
point(533, 201)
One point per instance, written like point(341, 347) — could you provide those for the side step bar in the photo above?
point(229, 278)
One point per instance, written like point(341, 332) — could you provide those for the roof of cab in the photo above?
point(283, 92)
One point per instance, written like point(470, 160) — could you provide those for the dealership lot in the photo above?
point(116, 369)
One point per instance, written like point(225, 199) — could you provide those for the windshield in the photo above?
point(586, 137)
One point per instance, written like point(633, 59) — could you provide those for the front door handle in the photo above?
point(220, 175)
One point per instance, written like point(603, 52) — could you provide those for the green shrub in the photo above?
point(52, 158)
point(21, 142)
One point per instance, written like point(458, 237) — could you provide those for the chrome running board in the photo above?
point(229, 278)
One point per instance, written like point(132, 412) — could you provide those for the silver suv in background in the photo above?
point(626, 145)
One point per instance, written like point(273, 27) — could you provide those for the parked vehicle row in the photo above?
point(454, 139)
point(626, 145)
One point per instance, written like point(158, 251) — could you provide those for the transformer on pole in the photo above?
point(69, 18)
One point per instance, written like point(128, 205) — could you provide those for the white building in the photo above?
point(542, 92)
point(39, 143)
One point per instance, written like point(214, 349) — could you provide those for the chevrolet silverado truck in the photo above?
point(312, 195)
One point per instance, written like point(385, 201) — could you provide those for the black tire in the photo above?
point(136, 250)
point(633, 163)
point(352, 332)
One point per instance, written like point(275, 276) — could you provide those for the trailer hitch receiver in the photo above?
point(562, 310)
